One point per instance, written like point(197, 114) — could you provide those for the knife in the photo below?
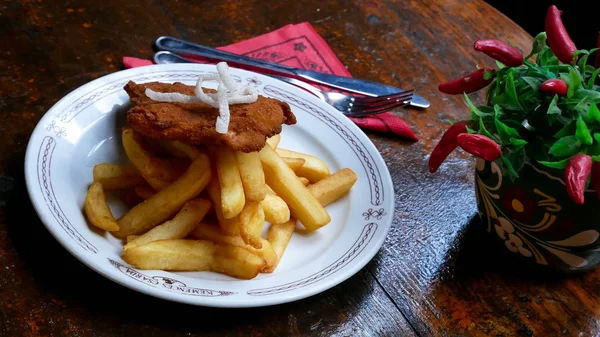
point(350, 84)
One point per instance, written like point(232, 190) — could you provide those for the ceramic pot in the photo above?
point(534, 218)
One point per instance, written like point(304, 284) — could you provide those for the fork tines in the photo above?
point(373, 105)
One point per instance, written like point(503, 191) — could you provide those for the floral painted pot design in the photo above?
point(534, 217)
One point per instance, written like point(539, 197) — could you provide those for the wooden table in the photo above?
point(432, 277)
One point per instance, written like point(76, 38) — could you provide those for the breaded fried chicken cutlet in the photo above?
point(194, 123)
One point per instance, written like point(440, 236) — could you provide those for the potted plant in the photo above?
point(537, 143)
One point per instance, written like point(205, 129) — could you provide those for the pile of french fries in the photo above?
point(206, 208)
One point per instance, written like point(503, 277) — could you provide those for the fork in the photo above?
point(353, 106)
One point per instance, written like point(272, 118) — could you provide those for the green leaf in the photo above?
point(552, 108)
point(546, 57)
point(497, 111)
point(592, 79)
point(589, 94)
point(592, 115)
point(594, 149)
point(566, 146)
point(588, 69)
point(471, 131)
point(579, 52)
point(556, 164)
point(597, 137)
point(504, 131)
point(582, 106)
point(488, 75)
point(511, 90)
point(567, 130)
point(518, 142)
point(514, 162)
point(474, 116)
point(474, 109)
point(533, 82)
point(538, 44)
point(517, 159)
point(485, 132)
point(558, 68)
point(508, 167)
point(583, 133)
point(486, 109)
point(500, 65)
point(575, 82)
point(582, 63)
point(595, 158)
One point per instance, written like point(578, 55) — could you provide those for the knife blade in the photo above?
point(350, 84)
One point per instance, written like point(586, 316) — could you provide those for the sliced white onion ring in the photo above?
point(171, 97)
point(227, 94)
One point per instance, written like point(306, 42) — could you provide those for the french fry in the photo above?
point(138, 156)
point(294, 163)
point(304, 181)
point(252, 175)
point(275, 209)
point(314, 169)
point(195, 255)
point(115, 176)
point(127, 196)
point(179, 227)
point(252, 219)
point(335, 186)
point(257, 221)
point(131, 238)
point(167, 201)
point(97, 210)
point(166, 169)
point(210, 232)
point(158, 172)
point(303, 205)
point(237, 262)
point(179, 149)
point(274, 141)
point(232, 189)
point(279, 236)
point(229, 226)
point(144, 192)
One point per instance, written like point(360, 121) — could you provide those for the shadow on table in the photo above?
point(476, 252)
point(91, 300)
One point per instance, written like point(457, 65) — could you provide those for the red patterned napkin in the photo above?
point(300, 46)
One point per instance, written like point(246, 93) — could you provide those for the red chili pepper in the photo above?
point(501, 51)
point(576, 175)
point(595, 179)
point(554, 86)
point(466, 84)
point(446, 145)
point(558, 38)
point(479, 146)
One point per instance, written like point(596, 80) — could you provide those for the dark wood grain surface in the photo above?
point(435, 275)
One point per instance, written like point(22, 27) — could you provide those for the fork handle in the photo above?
point(172, 44)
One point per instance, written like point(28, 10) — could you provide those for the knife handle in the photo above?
point(172, 44)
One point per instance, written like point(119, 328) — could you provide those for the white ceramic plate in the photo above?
point(83, 129)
